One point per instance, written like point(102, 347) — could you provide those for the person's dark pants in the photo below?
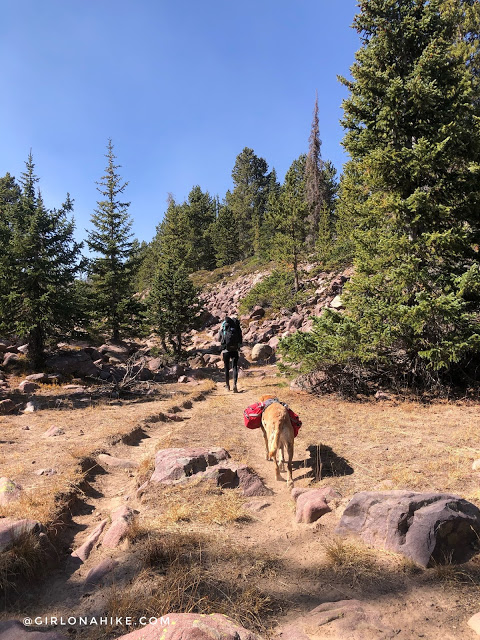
point(233, 356)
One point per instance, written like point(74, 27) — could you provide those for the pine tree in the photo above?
point(248, 201)
point(113, 270)
point(286, 217)
point(173, 304)
point(325, 244)
point(412, 192)
point(42, 262)
point(224, 233)
point(200, 215)
point(314, 183)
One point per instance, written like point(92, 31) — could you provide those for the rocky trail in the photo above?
point(354, 591)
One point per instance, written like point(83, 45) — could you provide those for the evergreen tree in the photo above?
point(224, 233)
point(286, 217)
point(42, 261)
point(326, 226)
point(173, 304)
point(248, 200)
point(113, 270)
point(200, 211)
point(314, 183)
point(411, 192)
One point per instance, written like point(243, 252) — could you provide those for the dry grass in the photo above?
point(24, 560)
point(199, 502)
point(352, 560)
point(186, 573)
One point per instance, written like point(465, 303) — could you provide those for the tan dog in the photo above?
point(278, 434)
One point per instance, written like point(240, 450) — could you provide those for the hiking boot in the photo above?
point(235, 390)
point(227, 387)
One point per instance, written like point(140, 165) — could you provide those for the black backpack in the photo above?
point(231, 334)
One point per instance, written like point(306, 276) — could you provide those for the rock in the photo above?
point(31, 406)
point(45, 472)
point(174, 465)
point(381, 395)
point(11, 360)
point(121, 519)
point(53, 431)
point(295, 321)
point(261, 352)
point(23, 349)
point(37, 377)
point(251, 484)
point(11, 530)
point(3, 346)
point(77, 363)
point(15, 630)
point(273, 343)
point(6, 407)
point(340, 620)
point(26, 386)
point(182, 379)
point(257, 312)
point(86, 548)
point(425, 527)
point(100, 572)
point(154, 364)
point(476, 465)
point(119, 351)
point(9, 491)
point(474, 623)
point(192, 626)
point(119, 463)
point(312, 504)
point(336, 303)
point(257, 505)
point(336, 285)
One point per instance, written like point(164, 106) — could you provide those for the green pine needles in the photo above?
point(410, 197)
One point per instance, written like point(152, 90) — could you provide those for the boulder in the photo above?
point(15, 630)
point(31, 406)
point(76, 363)
point(312, 504)
point(229, 475)
point(177, 464)
point(257, 312)
point(192, 626)
point(3, 346)
point(119, 351)
point(9, 491)
point(37, 377)
point(340, 620)
point(476, 465)
point(119, 463)
point(11, 530)
point(23, 349)
point(86, 548)
point(295, 321)
point(100, 573)
point(121, 519)
point(336, 303)
point(27, 386)
point(154, 364)
point(6, 407)
point(11, 360)
point(53, 431)
point(261, 352)
point(474, 623)
point(425, 527)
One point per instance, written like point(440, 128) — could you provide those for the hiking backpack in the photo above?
point(231, 334)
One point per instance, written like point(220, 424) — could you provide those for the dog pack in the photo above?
point(252, 416)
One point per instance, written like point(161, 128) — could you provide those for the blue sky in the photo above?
point(181, 87)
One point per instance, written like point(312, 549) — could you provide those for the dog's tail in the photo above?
point(273, 447)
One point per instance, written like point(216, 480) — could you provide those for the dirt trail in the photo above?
point(416, 605)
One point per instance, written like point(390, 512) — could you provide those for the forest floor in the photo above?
point(197, 547)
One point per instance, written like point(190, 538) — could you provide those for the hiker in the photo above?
point(230, 337)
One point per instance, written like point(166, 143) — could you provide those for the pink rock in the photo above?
point(121, 519)
point(176, 464)
point(6, 406)
point(53, 431)
point(11, 530)
point(27, 386)
point(182, 379)
point(192, 626)
point(119, 463)
point(312, 504)
point(98, 574)
point(85, 549)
